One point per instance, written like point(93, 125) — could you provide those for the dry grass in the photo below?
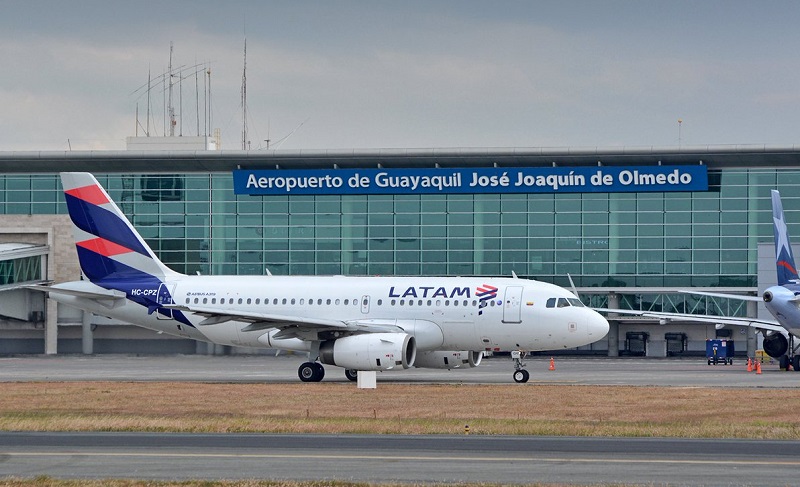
point(51, 482)
point(396, 408)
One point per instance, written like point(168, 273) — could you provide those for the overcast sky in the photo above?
point(406, 74)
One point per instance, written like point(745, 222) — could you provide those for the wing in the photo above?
point(740, 297)
point(291, 326)
point(767, 325)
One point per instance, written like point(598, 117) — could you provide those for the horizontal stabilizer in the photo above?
point(109, 298)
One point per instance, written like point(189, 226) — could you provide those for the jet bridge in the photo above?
point(22, 264)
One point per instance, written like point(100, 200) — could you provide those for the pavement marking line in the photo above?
point(744, 462)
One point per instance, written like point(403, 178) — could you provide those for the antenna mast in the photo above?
point(244, 98)
point(170, 107)
point(147, 130)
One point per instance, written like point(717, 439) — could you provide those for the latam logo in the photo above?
point(429, 292)
point(486, 293)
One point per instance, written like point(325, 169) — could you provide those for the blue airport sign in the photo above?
point(592, 179)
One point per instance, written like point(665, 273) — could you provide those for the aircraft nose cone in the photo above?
point(597, 326)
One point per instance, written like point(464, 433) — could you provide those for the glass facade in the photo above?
point(196, 223)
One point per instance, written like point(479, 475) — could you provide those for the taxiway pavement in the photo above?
point(504, 460)
point(684, 372)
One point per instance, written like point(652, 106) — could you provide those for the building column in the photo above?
point(51, 327)
point(87, 336)
point(613, 327)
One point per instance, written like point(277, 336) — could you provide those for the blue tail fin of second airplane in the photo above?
point(109, 248)
point(784, 258)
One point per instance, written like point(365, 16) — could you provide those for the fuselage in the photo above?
point(781, 302)
point(444, 313)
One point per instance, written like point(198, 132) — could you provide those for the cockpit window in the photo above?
point(564, 303)
point(576, 302)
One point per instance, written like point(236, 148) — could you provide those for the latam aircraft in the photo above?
point(357, 323)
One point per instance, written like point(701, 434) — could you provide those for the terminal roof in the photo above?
point(715, 157)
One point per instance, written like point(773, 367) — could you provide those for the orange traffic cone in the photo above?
point(758, 367)
point(552, 364)
point(749, 365)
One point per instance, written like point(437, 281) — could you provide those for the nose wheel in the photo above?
point(520, 374)
point(311, 372)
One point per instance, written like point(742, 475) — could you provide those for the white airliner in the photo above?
point(782, 301)
point(358, 323)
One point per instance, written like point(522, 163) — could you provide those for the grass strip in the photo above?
point(559, 410)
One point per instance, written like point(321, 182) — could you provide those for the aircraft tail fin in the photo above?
point(784, 257)
point(108, 246)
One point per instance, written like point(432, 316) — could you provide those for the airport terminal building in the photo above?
point(632, 227)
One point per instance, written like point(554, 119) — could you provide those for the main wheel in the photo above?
point(320, 371)
point(351, 374)
point(521, 376)
point(796, 363)
point(783, 362)
point(311, 372)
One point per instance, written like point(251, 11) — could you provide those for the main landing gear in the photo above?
point(520, 374)
point(314, 372)
point(791, 357)
point(311, 372)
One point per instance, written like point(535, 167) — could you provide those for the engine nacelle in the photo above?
point(370, 351)
point(448, 359)
point(776, 345)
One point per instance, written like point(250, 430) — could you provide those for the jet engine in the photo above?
point(776, 345)
point(370, 351)
point(448, 359)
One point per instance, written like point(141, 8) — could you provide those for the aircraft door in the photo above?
point(365, 304)
point(164, 296)
point(512, 305)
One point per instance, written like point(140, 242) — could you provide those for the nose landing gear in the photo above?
point(520, 374)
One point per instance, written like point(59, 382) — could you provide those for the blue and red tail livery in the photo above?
point(108, 246)
point(784, 258)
